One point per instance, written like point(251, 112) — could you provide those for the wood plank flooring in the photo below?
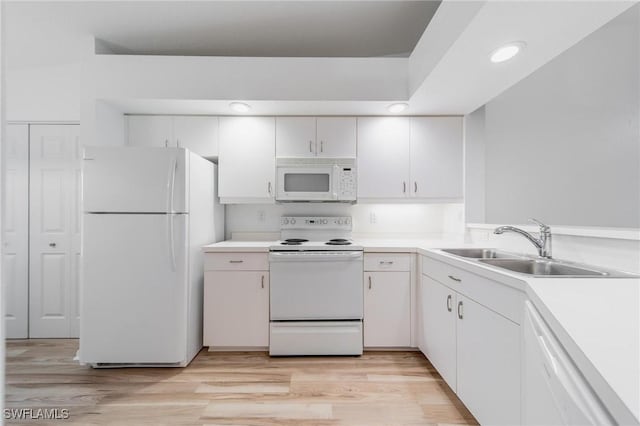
point(240, 388)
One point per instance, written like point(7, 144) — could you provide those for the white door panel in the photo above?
point(436, 157)
point(488, 356)
point(247, 166)
point(383, 156)
point(15, 250)
point(387, 309)
point(134, 179)
point(336, 137)
point(296, 137)
point(439, 328)
point(54, 229)
point(134, 291)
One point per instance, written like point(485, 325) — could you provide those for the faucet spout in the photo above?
point(542, 244)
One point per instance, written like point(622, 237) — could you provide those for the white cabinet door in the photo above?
point(197, 133)
point(336, 137)
point(150, 130)
point(439, 328)
point(383, 157)
point(54, 230)
point(296, 137)
point(236, 309)
point(436, 157)
point(15, 232)
point(387, 309)
point(488, 359)
point(246, 166)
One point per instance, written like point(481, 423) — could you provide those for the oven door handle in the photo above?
point(326, 256)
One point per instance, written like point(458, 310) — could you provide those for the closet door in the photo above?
point(15, 250)
point(55, 179)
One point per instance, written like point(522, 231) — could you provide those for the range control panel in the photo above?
point(315, 222)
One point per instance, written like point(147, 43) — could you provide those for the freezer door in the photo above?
point(134, 289)
point(134, 179)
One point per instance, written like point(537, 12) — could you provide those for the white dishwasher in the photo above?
point(555, 393)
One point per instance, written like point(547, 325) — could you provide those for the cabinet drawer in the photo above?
point(387, 262)
point(236, 262)
point(500, 298)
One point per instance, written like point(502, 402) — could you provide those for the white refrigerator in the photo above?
point(147, 214)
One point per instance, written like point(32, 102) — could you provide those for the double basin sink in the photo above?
point(537, 267)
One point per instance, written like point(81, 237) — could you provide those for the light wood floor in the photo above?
point(379, 388)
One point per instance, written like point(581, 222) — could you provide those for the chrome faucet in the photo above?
point(543, 244)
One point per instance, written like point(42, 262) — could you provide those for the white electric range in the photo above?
point(316, 296)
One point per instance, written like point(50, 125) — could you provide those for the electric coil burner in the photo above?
point(316, 304)
point(293, 241)
point(338, 242)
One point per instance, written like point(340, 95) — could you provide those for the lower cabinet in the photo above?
point(387, 300)
point(236, 302)
point(475, 349)
point(488, 358)
point(387, 309)
point(439, 328)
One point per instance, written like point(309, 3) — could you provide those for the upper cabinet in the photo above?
point(150, 130)
point(417, 157)
point(246, 165)
point(383, 157)
point(196, 133)
point(436, 157)
point(336, 137)
point(325, 137)
point(295, 137)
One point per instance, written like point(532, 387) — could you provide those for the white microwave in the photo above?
point(317, 179)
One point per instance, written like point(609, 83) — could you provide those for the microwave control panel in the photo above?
point(347, 183)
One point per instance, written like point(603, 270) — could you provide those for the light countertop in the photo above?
point(598, 323)
point(597, 320)
point(236, 246)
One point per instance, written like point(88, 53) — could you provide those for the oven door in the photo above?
point(322, 285)
point(308, 183)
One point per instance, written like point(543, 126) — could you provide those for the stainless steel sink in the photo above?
point(480, 253)
point(546, 268)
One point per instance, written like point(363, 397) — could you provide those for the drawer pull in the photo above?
point(449, 308)
point(460, 312)
point(454, 278)
point(236, 261)
point(386, 262)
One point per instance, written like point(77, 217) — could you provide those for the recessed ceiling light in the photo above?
point(396, 108)
point(239, 107)
point(506, 52)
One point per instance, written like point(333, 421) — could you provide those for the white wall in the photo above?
point(563, 144)
point(369, 220)
point(44, 93)
point(474, 166)
point(2, 136)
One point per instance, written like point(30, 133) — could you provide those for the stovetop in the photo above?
point(337, 244)
point(315, 233)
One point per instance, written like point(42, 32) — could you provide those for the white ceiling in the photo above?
point(448, 72)
point(231, 28)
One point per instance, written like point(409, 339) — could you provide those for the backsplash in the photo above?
point(614, 253)
point(369, 220)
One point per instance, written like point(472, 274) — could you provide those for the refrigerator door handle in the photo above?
point(172, 184)
point(171, 241)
